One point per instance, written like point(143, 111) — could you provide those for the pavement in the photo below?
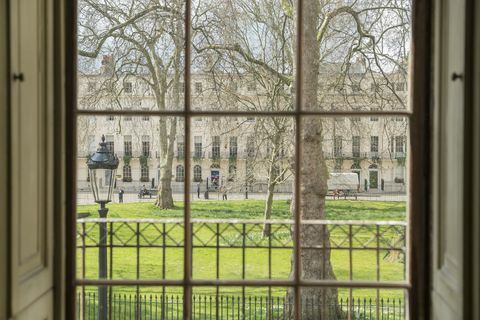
point(87, 197)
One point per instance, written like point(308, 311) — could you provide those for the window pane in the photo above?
point(357, 59)
point(361, 303)
point(243, 189)
point(245, 51)
point(131, 302)
point(141, 66)
point(145, 244)
point(354, 217)
point(242, 303)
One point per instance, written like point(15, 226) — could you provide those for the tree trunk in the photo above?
point(168, 127)
point(313, 175)
point(268, 206)
point(164, 195)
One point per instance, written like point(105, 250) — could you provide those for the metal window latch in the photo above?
point(18, 77)
point(457, 76)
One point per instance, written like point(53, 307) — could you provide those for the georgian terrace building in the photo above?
point(231, 151)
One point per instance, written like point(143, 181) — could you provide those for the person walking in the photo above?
point(223, 189)
point(120, 195)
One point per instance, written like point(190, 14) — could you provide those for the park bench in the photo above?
point(147, 192)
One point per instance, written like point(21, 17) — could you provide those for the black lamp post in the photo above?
point(102, 166)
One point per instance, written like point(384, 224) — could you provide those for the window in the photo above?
point(198, 87)
point(197, 173)
point(110, 143)
point(399, 146)
point(374, 146)
point(289, 106)
point(233, 147)
point(198, 147)
point(356, 146)
point(179, 174)
point(146, 146)
point(180, 147)
point(215, 147)
point(337, 148)
point(250, 146)
point(144, 174)
point(127, 87)
point(127, 146)
point(127, 173)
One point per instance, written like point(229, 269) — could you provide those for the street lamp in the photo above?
point(102, 166)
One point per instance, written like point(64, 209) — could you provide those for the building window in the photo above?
point(374, 146)
point(198, 87)
point(127, 146)
point(127, 87)
point(337, 146)
point(399, 146)
point(110, 143)
point(233, 147)
point(127, 173)
point(146, 146)
point(180, 147)
point(197, 173)
point(356, 146)
point(250, 146)
point(197, 152)
point(179, 173)
point(215, 147)
point(144, 174)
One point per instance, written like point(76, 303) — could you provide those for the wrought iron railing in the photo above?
point(123, 306)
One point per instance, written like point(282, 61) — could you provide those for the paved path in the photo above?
point(87, 198)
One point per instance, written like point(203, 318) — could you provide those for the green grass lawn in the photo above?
point(256, 266)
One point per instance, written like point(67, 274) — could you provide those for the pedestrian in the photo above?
point(120, 195)
point(198, 190)
point(223, 189)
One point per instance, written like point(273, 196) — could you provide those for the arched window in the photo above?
point(197, 173)
point(127, 173)
point(145, 174)
point(179, 173)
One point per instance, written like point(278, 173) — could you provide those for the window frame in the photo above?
point(419, 173)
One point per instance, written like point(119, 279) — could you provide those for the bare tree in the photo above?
point(346, 46)
point(147, 40)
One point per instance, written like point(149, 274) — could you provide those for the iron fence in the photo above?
point(205, 307)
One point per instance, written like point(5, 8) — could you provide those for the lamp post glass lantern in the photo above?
point(102, 166)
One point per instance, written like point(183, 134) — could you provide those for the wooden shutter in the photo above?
point(31, 160)
point(448, 178)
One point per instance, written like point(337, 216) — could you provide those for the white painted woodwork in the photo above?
point(3, 159)
point(448, 160)
point(31, 161)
